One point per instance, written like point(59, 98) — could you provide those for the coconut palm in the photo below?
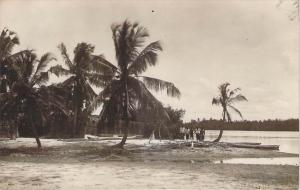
point(85, 70)
point(129, 89)
point(227, 98)
point(27, 96)
point(8, 40)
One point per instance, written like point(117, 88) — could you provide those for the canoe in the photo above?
point(265, 147)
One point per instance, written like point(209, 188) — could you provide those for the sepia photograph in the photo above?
point(149, 94)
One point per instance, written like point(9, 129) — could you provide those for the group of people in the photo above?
point(199, 133)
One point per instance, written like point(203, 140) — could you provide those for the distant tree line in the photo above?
point(264, 125)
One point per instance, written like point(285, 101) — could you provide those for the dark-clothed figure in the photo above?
point(201, 135)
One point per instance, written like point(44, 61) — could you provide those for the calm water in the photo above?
point(288, 142)
point(294, 161)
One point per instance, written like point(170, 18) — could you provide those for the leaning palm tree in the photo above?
point(129, 89)
point(27, 96)
point(226, 99)
point(85, 70)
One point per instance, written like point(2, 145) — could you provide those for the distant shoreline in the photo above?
point(225, 129)
point(265, 125)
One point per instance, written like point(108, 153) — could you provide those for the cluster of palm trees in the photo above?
point(24, 95)
point(125, 90)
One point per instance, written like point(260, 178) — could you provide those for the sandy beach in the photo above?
point(90, 83)
point(92, 165)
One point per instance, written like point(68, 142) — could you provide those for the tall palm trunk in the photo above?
point(152, 136)
point(221, 131)
point(75, 119)
point(13, 130)
point(159, 135)
point(34, 130)
point(125, 112)
point(78, 131)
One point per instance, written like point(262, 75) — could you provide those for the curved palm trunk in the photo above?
point(221, 131)
point(219, 136)
point(125, 135)
point(125, 116)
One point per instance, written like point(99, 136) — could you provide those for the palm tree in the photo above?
point(226, 99)
point(8, 39)
point(129, 89)
point(27, 96)
point(85, 70)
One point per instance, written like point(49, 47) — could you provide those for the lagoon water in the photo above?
point(294, 161)
point(288, 142)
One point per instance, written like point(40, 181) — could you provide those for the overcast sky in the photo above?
point(251, 44)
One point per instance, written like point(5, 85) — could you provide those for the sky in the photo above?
point(252, 44)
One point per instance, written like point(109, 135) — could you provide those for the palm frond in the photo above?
point(100, 65)
point(110, 112)
point(89, 92)
point(135, 39)
point(224, 91)
point(237, 98)
point(8, 39)
point(112, 88)
point(145, 98)
point(64, 53)
point(216, 101)
point(95, 103)
point(147, 57)
point(236, 110)
point(39, 74)
point(122, 43)
point(58, 70)
point(233, 92)
point(83, 55)
point(160, 85)
point(51, 96)
point(137, 34)
point(98, 80)
point(45, 59)
point(42, 78)
point(68, 82)
point(116, 35)
point(22, 63)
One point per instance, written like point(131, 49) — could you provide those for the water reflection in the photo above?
point(294, 161)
